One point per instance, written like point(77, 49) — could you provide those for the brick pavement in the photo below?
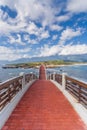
point(44, 107)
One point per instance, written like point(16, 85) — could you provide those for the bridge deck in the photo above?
point(44, 107)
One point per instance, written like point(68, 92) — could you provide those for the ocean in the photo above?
point(6, 74)
point(76, 71)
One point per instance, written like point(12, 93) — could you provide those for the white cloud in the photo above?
point(56, 27)
point(27, 39)
point(31, 14)
point(49, 50)
point(69, 34)
point(54, 37)
point(17, 40)
point(32, 29)
point(3, 15)
point(77, 6)
point(63, 18)
point(62, 50)
point(6, 28)
point(45, 34)
point(33, 9)
point(74, 49)
point(10, 54)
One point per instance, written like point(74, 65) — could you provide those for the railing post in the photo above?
point(9, 90)
point(31, 76)
point(63, 80)
point(49, 76)
point(79, 94)
point(23, 79)
point(54, 76)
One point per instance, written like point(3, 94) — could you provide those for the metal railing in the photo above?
point(11, 87)
point(8, 90)
point(58, 78)
point(29, 77)
point(78, 89)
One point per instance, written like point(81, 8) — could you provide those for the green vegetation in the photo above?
point(51, 63)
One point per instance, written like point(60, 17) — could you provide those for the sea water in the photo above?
point(6, 74)
point(76, 71)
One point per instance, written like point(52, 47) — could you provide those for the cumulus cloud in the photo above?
point(45, 35)
point(77, 6)
point(74, 49)
point(63, 18)
point(69, 33)
point(27, 14)
point(26, 38)
point(32, 28)
point(70, 49)
point(6, 28)
point(44, 51)
point(33, 9)
point(55, 27)
point(54, 37)
point(47, 50)
point(12, 53)
point(17, 40)
point(37, 20)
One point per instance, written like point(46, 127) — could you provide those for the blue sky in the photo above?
point(35, 28)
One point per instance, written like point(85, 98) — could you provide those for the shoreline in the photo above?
point(47, 66)
point(60, 70)
point(55, 66)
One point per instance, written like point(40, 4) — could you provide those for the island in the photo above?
point(48, 64)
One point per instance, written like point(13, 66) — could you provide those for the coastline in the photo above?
point(55, 66)
point(75, 73)
point(47, 66)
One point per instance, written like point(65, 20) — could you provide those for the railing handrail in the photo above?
point(11, 87)
point(82, 84)
point(8, 82)
point(77, 88)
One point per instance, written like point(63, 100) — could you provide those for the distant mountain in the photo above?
point(3, 62)
point(76, 58)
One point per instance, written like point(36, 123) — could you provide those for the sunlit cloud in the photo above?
point(46, 28)
point(68, 34)
point(74, 49)
point(13, 54)
point(76, 6)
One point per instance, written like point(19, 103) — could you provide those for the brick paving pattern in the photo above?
point(44, 107)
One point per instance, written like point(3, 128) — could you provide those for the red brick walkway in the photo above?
point(42, 73)
point(44, 107)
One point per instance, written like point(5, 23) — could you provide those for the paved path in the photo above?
point(44, 107)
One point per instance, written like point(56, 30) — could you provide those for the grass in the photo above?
point(36, 64)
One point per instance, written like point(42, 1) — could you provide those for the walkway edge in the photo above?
point(82, 112)
point(6, 112)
